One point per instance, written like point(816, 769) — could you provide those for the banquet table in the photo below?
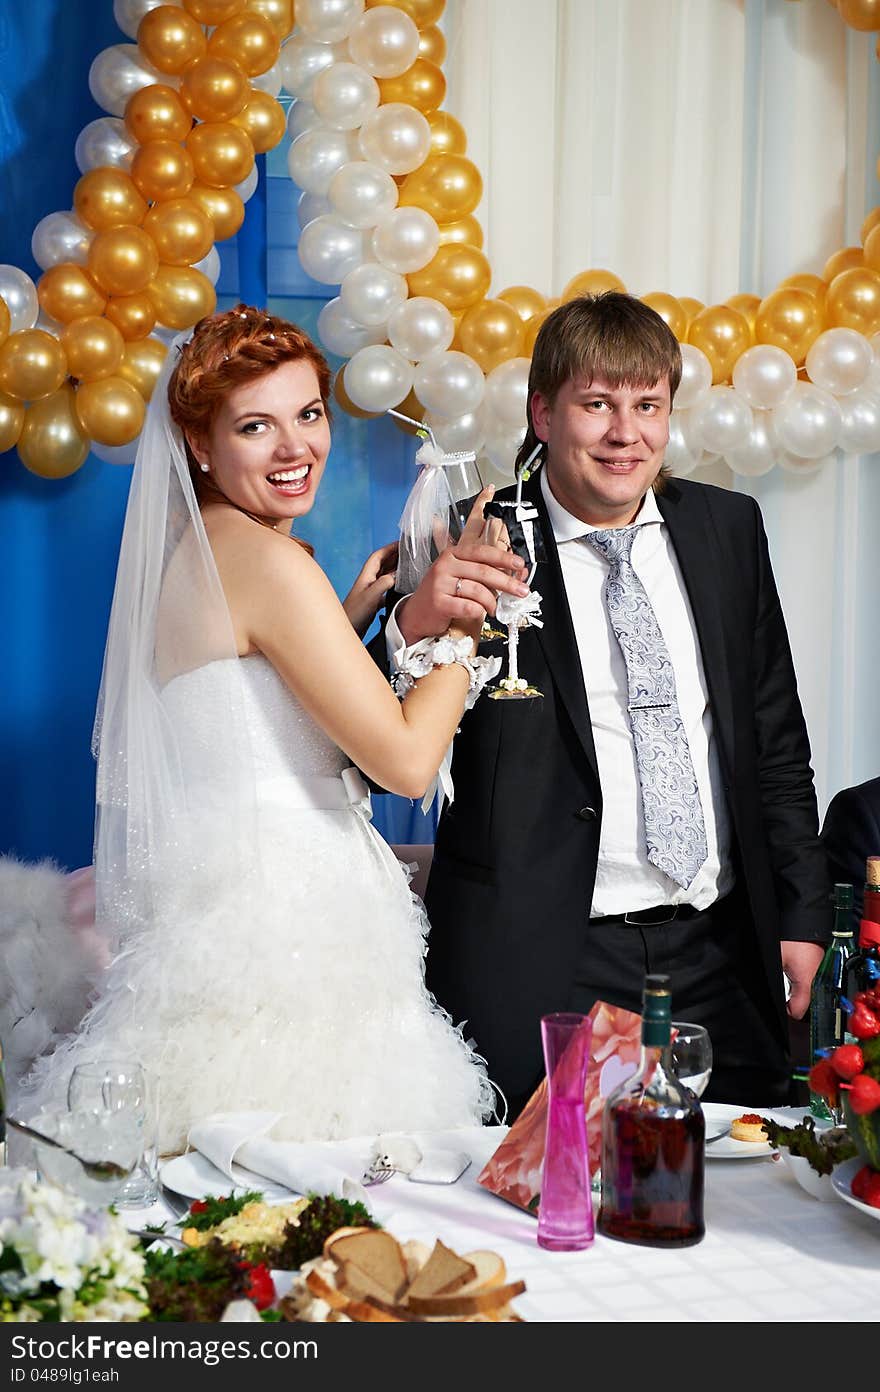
point(771, 1252)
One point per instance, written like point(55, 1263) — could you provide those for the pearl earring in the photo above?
point(204, 468)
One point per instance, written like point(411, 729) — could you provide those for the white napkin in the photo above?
point(306, 1168)
point(420, 1158)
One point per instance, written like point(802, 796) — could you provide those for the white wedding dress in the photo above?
point(281, 971)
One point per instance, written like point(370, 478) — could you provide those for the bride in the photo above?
point(268, 952)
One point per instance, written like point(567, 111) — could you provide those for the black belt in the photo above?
point(658, 914)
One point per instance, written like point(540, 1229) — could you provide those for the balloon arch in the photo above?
point(387, 214)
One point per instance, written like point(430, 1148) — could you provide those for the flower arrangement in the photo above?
point(850, 1078)
point(63, 1261)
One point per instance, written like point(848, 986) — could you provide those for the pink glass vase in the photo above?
point(565, 1213)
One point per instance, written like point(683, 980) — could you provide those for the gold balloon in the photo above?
point(278, 12)
point(156, 113)
point(409, 406)
point(171, 39)
point(221, 153)
point(690, 306)
point(747, 306)
point(860, 14)
point(162, 169)
point(181, 296)
point(490, 332)
point(457, 276)
point(141, 364)
point(214, 90)
point(526, 301)
point(108, 197)
point(248, 40)
point(11, 421)
point(853, 301)
point(670, 311)
point(182, 232)
point(213, 11)
point(65, 292)
point(262, 120)
point(5, 321)
point(446, 186)
point(421, 12)
point(32, 365)
point(52, 443)
point(813, 284)
point(224, 207)
point(790, 319)
point(122, 260)
point(532, 329)
point(870, 222)
point(423, 86)
point(345, 401)
point(723, 335)
point(844, 260)
point(133, 315)
point(94, 348)
point(466, 231)
point(432, 44)
point(872, 248)
point(448, 136)
point(110, 411)
point(591, 283)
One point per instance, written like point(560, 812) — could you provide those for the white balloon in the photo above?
point(300, 61)
point(407, 240)
point(344, 95)
point(370, 293)
point(328, 21)
point(760, 451)
point(312, 205)
point(420, 326)
point(129, 13)
point(315, 156)
point(301, 117)
point(60, 237)
point(340, 334)
point(115, 454)
point(102, 142)
point(500, 449)
point(270, 81)
point(329, 249)
point(449, 384)
point(696, 377)
point(681, 456)
point(455, 433)
point(507, 391)
point(860, 423)
point(385, 41)
point(764, 375)
point(839, 361)
point(797, 464)
point(248, 186)
point(362, 193)
point(377, 377)
point(808, 422)
point(118, 72)
point(49, 325)
point(209, 265)
point(20, 294)
point(721, 420)
point(396, 137)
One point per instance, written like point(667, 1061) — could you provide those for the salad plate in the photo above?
point(841, 1181)
point(194, 1177)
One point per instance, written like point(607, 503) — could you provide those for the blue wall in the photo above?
point(59, 540)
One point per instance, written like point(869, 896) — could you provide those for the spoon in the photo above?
point(94, 1169)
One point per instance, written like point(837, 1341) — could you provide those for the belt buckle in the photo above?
point(636, 922)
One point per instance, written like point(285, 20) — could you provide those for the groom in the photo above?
point(654, 810)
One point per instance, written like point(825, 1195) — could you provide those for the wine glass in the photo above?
point(692, 1055)
point(119, 1087)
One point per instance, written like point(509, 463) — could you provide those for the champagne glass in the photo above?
point(118, 1089)
point(515, 613)
point(692, 1055)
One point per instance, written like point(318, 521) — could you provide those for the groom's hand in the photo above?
point(462, 584)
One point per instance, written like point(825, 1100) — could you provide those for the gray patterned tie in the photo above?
point(674, 827)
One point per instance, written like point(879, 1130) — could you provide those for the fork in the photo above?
point(376, 1173)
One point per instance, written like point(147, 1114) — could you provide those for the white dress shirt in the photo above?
point(625, 878)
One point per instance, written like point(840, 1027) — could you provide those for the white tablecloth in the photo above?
point(771, 1251)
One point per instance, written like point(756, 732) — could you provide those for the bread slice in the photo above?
point(478, 1303)
point(376, 1254)
point(323, 1290)
point(443, 1271)
point(489, 1270)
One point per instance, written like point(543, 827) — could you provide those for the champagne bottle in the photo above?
point(653, 1136)
point(863, 967)
point(827, 1015)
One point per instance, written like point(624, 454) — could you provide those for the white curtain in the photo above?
point(702, 147)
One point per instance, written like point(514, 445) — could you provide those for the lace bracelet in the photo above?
point(419, 659)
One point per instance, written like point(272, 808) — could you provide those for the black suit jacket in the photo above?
point(851, 833)
point(515, 858)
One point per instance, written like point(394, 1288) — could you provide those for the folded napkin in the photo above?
point(420, 1158)
point(242, 1138)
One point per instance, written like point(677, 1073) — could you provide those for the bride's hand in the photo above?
point(376, 578)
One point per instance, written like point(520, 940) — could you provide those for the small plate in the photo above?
point(841, 1180)
point(196, 1178)
point(719, 1116)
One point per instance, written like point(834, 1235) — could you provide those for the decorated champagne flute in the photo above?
point(513, 612)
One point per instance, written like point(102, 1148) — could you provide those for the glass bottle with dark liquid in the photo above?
point(653, 1136)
